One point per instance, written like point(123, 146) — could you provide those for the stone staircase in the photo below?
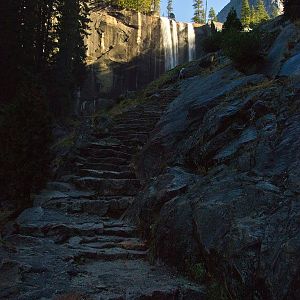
point(73, 244)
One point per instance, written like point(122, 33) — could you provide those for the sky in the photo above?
point(183, 9)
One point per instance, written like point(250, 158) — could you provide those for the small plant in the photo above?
point(199, 272)
point(216, 291)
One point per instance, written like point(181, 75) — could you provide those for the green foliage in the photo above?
point(70, 59)
point(212, 15)
point(25, 136)
point(213, 42)
point(258, 14)
point(198, 272)
point(245, 14)
point(262, 14)
point(243, 48)
point(292, 9)
point(199, 13)
point(216, 291)
point(232, 22)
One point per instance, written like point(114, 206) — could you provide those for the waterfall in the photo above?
point(191, 41)
point(167, 43)
point(139, 32)
point(175, 42)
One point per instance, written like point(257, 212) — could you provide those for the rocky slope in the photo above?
point(222, 177)
point(237, 5)
point(72, 244)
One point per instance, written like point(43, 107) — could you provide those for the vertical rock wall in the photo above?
point(127, 50)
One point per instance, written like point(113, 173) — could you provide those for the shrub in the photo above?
point(232, 22)
point(212, 43)
point(243, 48)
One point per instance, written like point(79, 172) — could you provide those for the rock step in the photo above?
point(109, 187)
point(128, 244)
point(119, 148)
point(137, 119)
point(103, 153)
point(133, 127)
point(105, 167)
point(133, 142)
point(109, 206)
point(132, 136)
point(122, 231)
point(134, 122)
point(106, 174)
point(108, 160)
point(123, 131)
point(63, 230)
point(109, 254)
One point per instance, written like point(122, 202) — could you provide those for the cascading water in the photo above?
point(191, 41)
point(170, 35)
point(167, 43)
point(175, 42)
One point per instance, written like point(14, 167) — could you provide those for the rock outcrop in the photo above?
point(222, 178)
point(237, 5)
point(127, 50)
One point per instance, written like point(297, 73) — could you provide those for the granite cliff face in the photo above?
point(127, 50)
point(237, 5)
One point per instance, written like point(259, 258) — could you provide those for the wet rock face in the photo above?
point(234, 138)
point(127, 50)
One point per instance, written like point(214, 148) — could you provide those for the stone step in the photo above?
point(123, 231)
point(103, 153)
point(143, 137)
point(104, 167)
point(133, 126)
point(125, 243)
point(137, 120)
point(109, 187)
point(108, 206)
point(129, 131)
point(143, 114)
point(120, 148)
point(133, 142)
point(106, 174)
point(108, 160)
point(61, 231)
point(109, 254)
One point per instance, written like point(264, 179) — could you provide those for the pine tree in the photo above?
point(170, 8)
point(199, 13)
point(245, 14)
point(212, 15)
point(25, 137)
point(70, 60)
point(261, 12)
point(232, 22)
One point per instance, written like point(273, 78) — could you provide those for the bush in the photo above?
point(25, 136)
point(243, 48)
point(212, 43)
